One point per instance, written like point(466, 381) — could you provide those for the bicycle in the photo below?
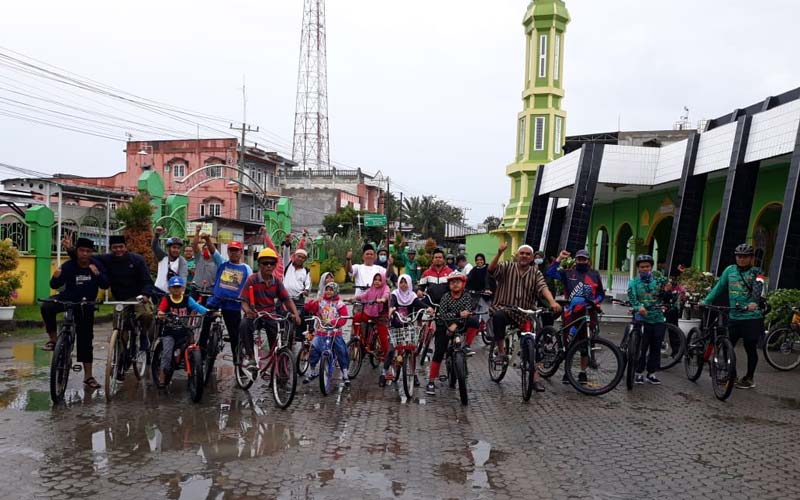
point(710, 344)
point(187, 355)
point(327, 361)
point(279, 360)
point(61, 363)
point(215, 343)
point(405, 339)
point(673, 346)
point(369, 346)
point(599, 358)
point(484, 327)
point(781, 347)
point(528, 352)
point(455, 360)
point(428, 330)
point(127, 347)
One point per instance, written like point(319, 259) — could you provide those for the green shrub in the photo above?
point(781, 302)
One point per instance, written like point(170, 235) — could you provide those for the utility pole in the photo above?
point(386, 213)
point(244, 129)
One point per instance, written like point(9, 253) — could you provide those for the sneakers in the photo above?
point(538, 387)
point(430, 389)
point(639, 380)
point(652, 379)
point(347, 382)
point(582, 379)
point(416, 381)
point(745, 383)
point(468, 351)
point(382, 381)
point(310, 377)
point(565, 379)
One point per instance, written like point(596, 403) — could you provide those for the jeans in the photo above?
point(84, 327)
point(650, 349)
point(749, 330)
point(338, 347)
point(169, 342)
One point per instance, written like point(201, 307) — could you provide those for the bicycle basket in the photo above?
point(405, 335)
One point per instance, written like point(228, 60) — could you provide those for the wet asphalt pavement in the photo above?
point(668, 441)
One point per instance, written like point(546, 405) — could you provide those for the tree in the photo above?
point(137, 215)
point(429, 215)
point(491, 223)
point(347, 217)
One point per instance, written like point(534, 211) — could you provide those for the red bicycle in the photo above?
point(428, 331)
point(405, 339)
point(360, 345)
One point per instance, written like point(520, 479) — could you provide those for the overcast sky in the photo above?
point(426, 91)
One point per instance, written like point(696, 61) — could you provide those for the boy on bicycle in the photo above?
point(647, 293)
point(179, 304)
point(329, 309)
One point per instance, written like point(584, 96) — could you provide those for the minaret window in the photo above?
point(521, 137)
point(556, 56)
point(538, 135)
point(543, 56)
point(558, 126)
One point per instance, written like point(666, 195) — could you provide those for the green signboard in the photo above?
point(374, 220)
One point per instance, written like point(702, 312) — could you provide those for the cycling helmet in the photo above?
point(456, 275)
point(176, 281)
point(267, 253)
point(333, 286)
point(174, 241)
point(645, 258)
point(745, 249)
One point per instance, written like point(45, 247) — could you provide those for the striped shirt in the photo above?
point(262, 295)
point(517, 289)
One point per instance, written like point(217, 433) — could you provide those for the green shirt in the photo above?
point(648, 294)
point(743, 289)
point(410, 268)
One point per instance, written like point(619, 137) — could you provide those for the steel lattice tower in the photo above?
point(310, 148)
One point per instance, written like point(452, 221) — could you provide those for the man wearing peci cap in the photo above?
point(78, 279)
point(296, 277)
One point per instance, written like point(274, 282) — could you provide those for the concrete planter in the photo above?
point(7, 313)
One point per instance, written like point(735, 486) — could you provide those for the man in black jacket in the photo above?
point(81, 279)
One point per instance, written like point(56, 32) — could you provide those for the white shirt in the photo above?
point(364, 274)
point(296, 280)
point(467, 268)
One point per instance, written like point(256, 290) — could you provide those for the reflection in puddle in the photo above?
point(479, 477)
point(195, 487)
point(480, 455)
point(365, 480)
point(99, 455)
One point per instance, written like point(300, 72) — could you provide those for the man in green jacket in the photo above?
point(647, 293)
point(744, 284)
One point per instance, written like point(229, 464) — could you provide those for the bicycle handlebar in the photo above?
point(319, 325)
point(409, 319)
point(82, 302)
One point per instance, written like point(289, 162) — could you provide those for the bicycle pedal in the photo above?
point(77, 367)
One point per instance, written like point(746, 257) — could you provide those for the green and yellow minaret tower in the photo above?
point(541, 125)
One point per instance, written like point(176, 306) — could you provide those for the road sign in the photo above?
point(374, 220)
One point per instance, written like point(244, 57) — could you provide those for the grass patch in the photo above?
point(33, 312)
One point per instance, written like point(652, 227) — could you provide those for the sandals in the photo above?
point(49, 346)
point(91, 383)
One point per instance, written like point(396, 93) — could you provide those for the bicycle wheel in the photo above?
point(155, 361)
point(113, 365)
point(782, 349)
point(526, 367)
point(425, 345)
point(244, 376)
point(723, 368)
point(60, 366)
point(673, 347)
point(460, 374)
point(195, 375)
point(487, 334)
point(632, 356)
point(303, 356)
point(604, 365)
point(409, 371)
point(354, 351)
point(375, 350)
point(695, 354)
point(550, 345)
point(284, 378)
point(140, 353)
point(212, 344)
point(325, 372)
point(497, 366)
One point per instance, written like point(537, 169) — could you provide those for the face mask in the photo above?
point(538, 262)
point(645, 276)
point(582, 268)
point(382, 258)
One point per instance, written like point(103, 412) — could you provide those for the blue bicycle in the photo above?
point(327, 361)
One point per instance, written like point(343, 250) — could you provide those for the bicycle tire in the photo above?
point(460, 375)
point(782, 342)
point(723, 368)
point(674, 339)
point(694, 359)
point(113, 361)
point(303, 356)
point(424, 346)
point(354, 351)
point(496, 373)
point(60, 367)
point(243, 376)
point(451, 377)
point(594, 346)
point(326, 367)
point(551, 345)
point(194, 380)
point(376, 350)
point(155, 364)
point(284, 378)
point(141, 357)
point(526, 368)
point(212, 344)
point(632, 357)
point(408, 372)
point(487, 335)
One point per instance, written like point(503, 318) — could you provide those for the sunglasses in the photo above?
point(266, 263)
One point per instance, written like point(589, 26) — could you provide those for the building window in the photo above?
point(556, 56)
point(538, 134)
point(178, 170)
point(215, 209)
point(543, 56)
point(202, 210)
point(521, 137)
point(557, 145)
point(112, 205)
point(255, 213)
point(215, 171)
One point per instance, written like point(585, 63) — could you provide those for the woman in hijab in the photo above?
point(404, 300)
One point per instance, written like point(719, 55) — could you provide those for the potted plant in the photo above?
point(10, 281)
point(781, 302)
point(334, 266)
point(696, 285)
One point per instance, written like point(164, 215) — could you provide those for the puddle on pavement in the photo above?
point(788, 403)
point(481, 453)
point(193, 487)
point(365, 480)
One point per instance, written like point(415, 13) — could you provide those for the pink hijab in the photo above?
point(373, 294)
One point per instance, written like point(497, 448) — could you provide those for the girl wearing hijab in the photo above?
point(378, 312)
point(405, 302)
point(324, 280)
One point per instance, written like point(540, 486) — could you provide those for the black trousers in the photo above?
point(232, 319)
point(650, 350)
point(749, 330)
point(441, 338)
point(246, 328)
point(84, 327)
